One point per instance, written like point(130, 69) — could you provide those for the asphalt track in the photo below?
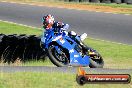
point(72, 70)
point(111, 27)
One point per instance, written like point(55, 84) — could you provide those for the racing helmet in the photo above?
point(48, 21)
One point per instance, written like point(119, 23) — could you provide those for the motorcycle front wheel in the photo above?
point(59, 59)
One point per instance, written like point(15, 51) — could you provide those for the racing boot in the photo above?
point(78, 39)
point(83, 36)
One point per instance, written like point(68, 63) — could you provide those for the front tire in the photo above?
point(59, 60)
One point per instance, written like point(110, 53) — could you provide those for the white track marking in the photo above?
point(41, 29)
point(61, 7)
point(109, 41)
point(115, 13)
point(126, 14)
point(98, 11)
point(20, 24)
point(107, 12)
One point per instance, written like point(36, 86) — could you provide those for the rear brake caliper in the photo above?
point(92, 54)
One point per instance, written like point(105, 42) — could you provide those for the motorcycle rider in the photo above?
point(49, 23)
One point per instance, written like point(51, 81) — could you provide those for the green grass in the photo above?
point(111, 5)
point(45, 62)
point(115, 55)
point(7, 28)
point(47, 80)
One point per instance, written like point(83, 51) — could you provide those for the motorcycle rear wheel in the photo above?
point(96, 62)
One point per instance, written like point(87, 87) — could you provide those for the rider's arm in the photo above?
point(61, 25)
point(65, 26)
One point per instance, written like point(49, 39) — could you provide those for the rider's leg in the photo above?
point(83, 36)
point(74, 35)
point(78, 38)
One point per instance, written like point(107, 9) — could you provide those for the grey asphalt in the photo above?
point(72, 70)
point(111, 27)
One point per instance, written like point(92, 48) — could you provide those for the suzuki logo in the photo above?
point(76, 55)
point(71, 51)
point(75, 61)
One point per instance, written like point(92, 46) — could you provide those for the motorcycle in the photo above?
point(64, 50)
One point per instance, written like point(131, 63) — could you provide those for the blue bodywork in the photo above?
point(76, 59)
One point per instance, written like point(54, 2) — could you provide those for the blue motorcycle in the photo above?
point(64, 50)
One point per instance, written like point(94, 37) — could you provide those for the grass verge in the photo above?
point(115, 55)
point(48, 80)
point(7, 28)
point(114, 8)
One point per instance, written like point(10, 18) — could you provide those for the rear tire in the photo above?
point(96, 63)
point(96, 60)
